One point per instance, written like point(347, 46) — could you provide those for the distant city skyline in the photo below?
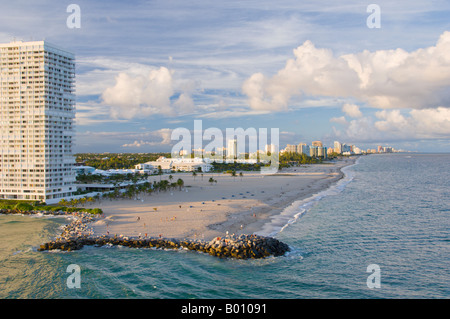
point(316, 71)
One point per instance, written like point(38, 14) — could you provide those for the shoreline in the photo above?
point(297, 207)
point(234, 205)
point(265, 226)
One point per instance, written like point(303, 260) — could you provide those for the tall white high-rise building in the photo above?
point(232, 151)
point(337, 147)
point(37, 110)
point(291, 148)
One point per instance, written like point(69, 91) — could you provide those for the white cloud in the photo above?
point(425, 123)
point(340, 120)
point(234, 112)
point(396, 125)
point(351, 110)
point(140, 95)
point(387, 79)
point(145, 92)
point(108, 139)
point(154, 138)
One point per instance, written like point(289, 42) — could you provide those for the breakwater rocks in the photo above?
point(239, 247)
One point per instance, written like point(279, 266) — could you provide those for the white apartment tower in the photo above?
point(37, 110)
point(232, 151)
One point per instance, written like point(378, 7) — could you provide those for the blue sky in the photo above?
point(313, 69)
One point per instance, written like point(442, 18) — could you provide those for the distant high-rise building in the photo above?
point(317, 143)
point(330, 151)
point(303, 148)
point(345, 148)
point(337, 147)
point(322, 152)
point(270, 148)
point(37, 109)
point(232, 149)
point(291, 148)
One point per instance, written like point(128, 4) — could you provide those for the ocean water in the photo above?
point(391, 210)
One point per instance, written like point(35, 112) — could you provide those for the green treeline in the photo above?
point(30, 206)
point(287, 159)
point(107, 161)
point(223, 167)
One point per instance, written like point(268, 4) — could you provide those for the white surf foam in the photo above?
point(291, 213)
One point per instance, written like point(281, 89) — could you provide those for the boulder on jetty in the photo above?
point(246, 246)
point(238, 247)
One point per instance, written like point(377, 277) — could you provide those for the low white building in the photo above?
point(175, 164)
point(79, 170)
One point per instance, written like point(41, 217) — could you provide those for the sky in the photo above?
point(315, 70)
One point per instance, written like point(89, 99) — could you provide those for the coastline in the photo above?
point(233, 205)
point(297, 207)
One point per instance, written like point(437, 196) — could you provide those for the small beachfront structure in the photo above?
point(168, 165)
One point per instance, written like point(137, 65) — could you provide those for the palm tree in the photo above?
point(83, 201)
point(180, 183)
point(160, 172)
point(63, 202)
point(74, 202)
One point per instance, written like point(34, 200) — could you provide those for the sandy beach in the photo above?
point(201, 210)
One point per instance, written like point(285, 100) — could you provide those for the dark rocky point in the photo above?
point(239, 247)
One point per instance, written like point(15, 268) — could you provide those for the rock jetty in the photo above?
point(239, 247)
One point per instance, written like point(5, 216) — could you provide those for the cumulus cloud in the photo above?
point(146, 92)
point(386, 79)
point(340, 120)
point(154, 138)
point(351, 110)
point(423, 124)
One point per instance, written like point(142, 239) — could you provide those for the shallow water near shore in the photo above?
point(391, 210)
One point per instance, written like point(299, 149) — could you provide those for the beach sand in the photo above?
point(239, 205)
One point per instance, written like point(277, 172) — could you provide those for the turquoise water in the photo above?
point(391, 210)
